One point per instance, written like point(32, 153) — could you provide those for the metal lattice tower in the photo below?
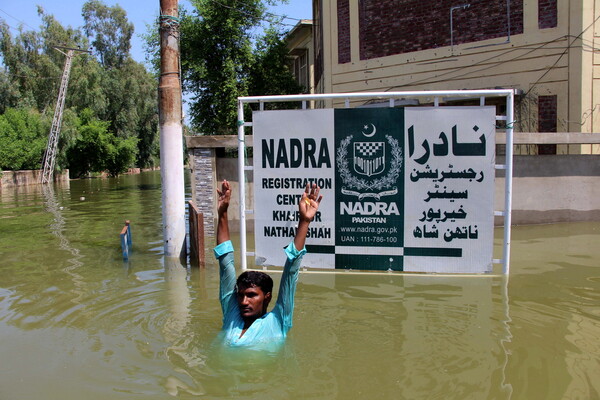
point(50, 153)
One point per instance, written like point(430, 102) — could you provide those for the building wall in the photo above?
point(399, 45)
point(591, 113)
point(301, 39)
point(551, 189)
point(390, 27)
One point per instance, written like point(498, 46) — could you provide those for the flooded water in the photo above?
point(78, 322)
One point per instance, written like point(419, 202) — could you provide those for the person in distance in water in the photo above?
point(244, 301)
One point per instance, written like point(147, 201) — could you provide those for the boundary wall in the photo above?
point(9, 179)
point(546, 188)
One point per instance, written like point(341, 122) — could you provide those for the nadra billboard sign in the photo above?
point(405, 189)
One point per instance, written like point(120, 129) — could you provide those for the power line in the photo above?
point(12, 27)
point(457, 69)
point(495, 64)
point(261, 19)
point(266, 13)
point(561, 56)
point(566, 48)
point(503, 61)
point(18, 20)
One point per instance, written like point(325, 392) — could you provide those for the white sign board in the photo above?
point(405, 189)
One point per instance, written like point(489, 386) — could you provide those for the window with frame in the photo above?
point(301, 70)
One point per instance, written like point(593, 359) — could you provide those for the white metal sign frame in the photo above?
point(508, 94)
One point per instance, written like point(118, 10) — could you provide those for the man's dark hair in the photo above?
point(255, 278)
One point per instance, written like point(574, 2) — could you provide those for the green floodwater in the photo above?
point(77, 322)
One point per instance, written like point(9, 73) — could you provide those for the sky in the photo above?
point(139, 12)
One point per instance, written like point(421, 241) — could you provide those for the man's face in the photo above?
point(252, 302)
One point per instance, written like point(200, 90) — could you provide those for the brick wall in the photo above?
point(318, 42)
point(547, 14)
point(204, 186)
point(343, 10)
point(389, 27)
point(547, 120)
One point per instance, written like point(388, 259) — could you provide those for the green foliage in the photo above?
point(86, 86)
point(216, 51)
point(96, 150)
point(109, 31)
point(33, 65)
point(68, 133)
point(9, 95)
point(220, 63)
point(112, 88)
point(270, 72)
point(23, 138)
point(151, 45)
point(120, 155)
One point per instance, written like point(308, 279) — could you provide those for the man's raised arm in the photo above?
point(224, 249)
point(222, 207)
point(309, 204)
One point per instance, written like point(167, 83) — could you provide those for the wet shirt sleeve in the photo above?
point(284, 308)
point(224, 253)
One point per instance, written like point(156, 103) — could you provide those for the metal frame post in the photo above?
point(242, 181)
point(510, 101)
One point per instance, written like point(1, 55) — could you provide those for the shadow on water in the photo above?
point(82, 323)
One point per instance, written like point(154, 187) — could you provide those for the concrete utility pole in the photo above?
point(50, 153)
point(171, 132)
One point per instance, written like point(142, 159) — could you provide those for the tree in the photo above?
point(130, 91)
point(96, 149)
point(122, 93)
point(270, 72)
point(9, 95)
point(215, 54)
point(33, 65)
point(23, 137)
point(109, 32)
point(220, 64)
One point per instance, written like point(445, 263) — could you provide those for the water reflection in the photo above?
point(75, 319)
point(177, 330)
point(505, 386)
point(411, 336)
point(57, 228)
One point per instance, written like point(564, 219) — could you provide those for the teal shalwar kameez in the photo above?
point(272, 327)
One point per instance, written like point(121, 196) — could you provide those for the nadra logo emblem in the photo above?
point(369, 158)
point(367, 177)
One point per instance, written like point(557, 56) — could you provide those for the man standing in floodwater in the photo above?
point(246, 321)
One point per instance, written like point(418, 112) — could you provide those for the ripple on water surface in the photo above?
point(80, 320)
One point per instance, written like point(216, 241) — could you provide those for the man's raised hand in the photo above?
point(309, 203)
point(224, 197)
